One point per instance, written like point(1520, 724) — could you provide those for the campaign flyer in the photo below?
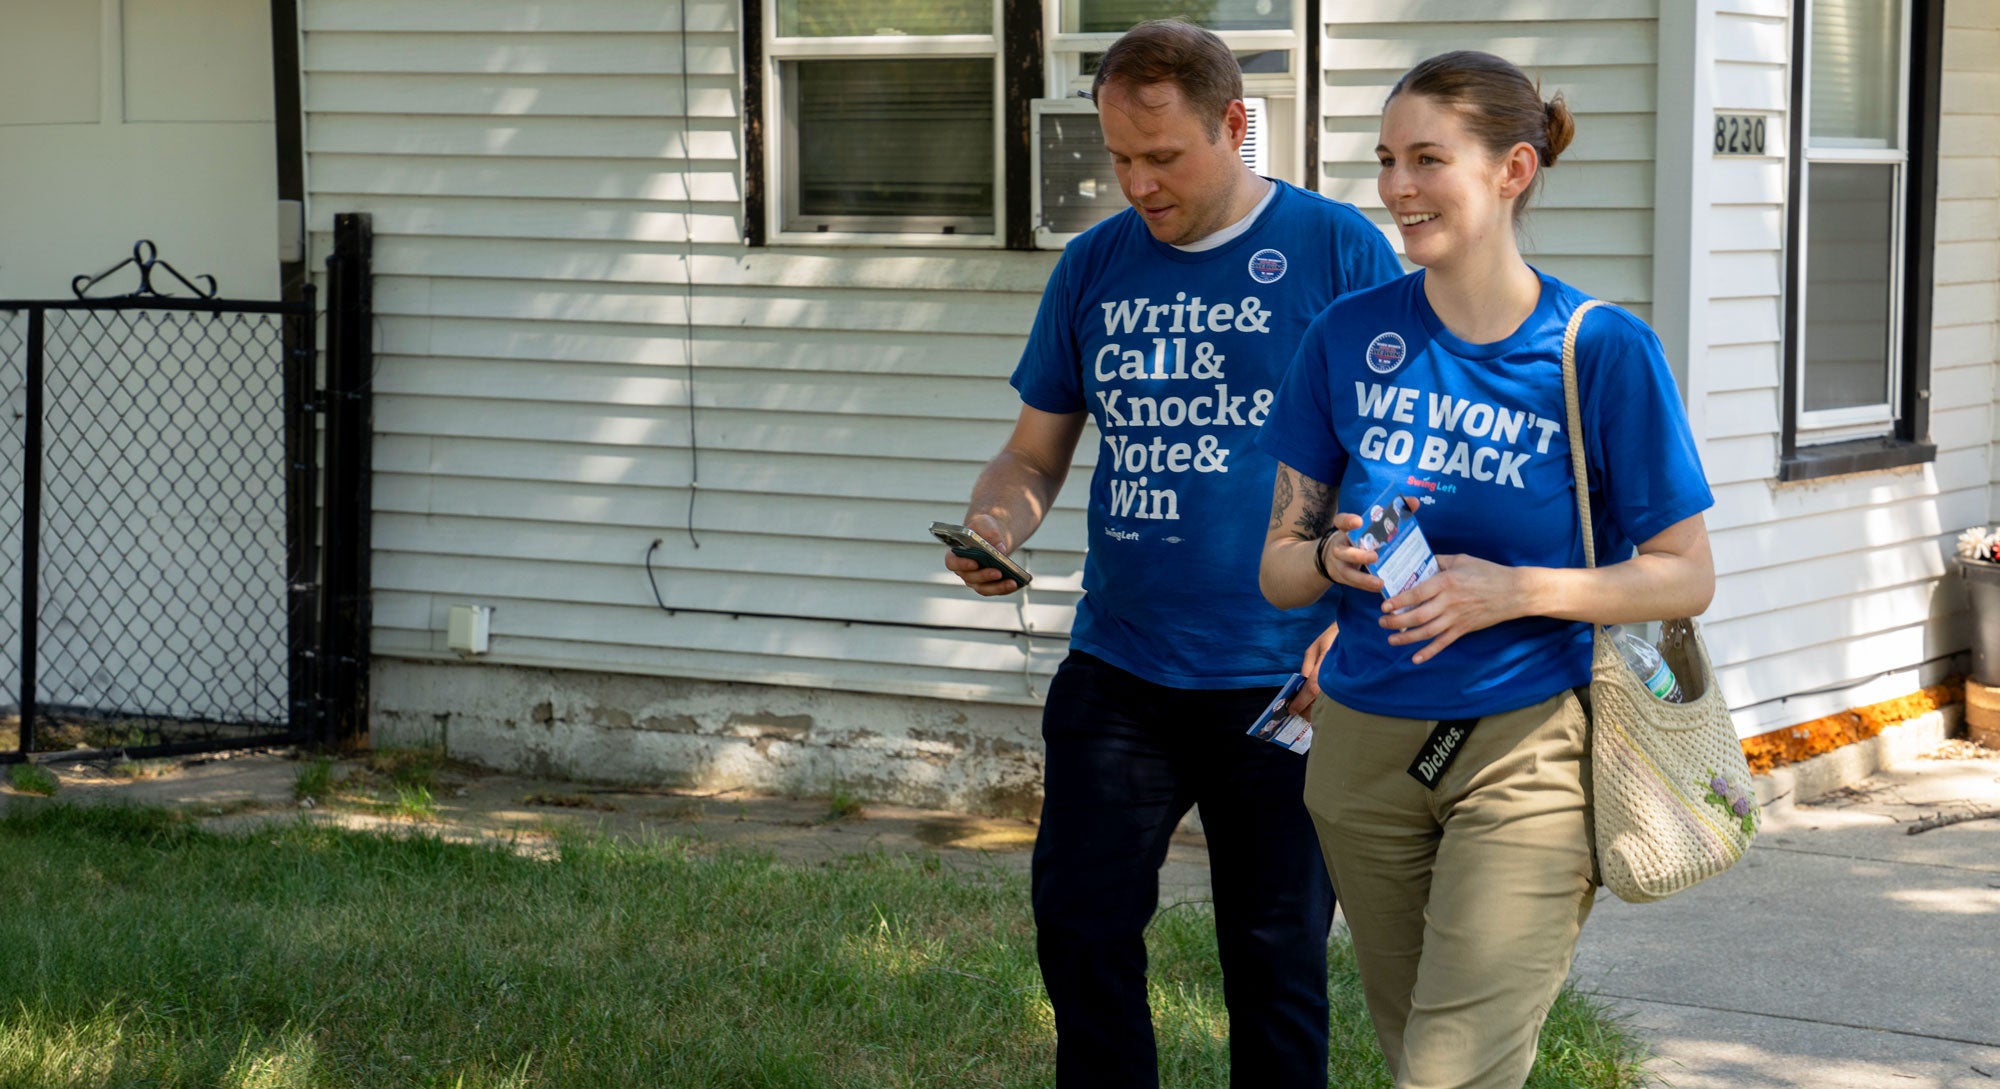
point(1294, 732)
point(1402, 556)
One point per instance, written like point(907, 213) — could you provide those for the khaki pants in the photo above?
point(1465, 901)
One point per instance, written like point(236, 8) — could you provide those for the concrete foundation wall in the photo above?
point(1810, 780)
point(707, 735)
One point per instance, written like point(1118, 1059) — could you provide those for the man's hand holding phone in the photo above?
point(977, 554)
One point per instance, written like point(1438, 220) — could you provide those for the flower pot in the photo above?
point(1982, 581)
point(1982, 714)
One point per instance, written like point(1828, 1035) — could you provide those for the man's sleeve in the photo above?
point(1367, 258)
point(1050, 375)
point(1299, 431)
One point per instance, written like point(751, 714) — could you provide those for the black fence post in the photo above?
point(31, 527)
point(306, 642)
point(345, 611)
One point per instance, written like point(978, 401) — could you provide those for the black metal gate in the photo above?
point(164, 534)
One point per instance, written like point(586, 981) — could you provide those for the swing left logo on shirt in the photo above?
point(1266, 266)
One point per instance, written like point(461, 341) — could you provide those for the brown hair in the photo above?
point(1178, 52)
point(1500, 106)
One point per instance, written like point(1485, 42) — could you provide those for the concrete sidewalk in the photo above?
point(1843, 953)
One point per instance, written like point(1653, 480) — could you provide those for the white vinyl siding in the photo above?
point(1965, 341)
point(1833, 593)
point(1592, 223)
point(558, 222)
point(552, 207)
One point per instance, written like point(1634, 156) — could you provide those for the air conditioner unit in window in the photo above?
point(1075, 187)
point(1256, 149)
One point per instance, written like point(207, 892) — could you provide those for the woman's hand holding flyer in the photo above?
point(1402, 557)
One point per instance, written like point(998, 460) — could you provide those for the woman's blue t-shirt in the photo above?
point(1382, 395)
point(1177, 357)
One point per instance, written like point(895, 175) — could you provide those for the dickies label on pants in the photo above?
point(1442, 747)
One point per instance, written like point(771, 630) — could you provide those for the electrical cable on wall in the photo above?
point(748, 614)
point(687, 278)
point(1027, 629)
point(1841, 686)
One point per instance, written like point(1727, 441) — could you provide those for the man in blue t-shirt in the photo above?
point(1170, 325)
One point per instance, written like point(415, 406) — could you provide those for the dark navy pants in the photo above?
point(1126, 758)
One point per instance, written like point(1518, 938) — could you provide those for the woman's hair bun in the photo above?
point(1561, 127)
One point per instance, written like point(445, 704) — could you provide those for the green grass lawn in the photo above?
point(140, 950)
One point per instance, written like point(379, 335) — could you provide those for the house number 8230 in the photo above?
point(1739, 134)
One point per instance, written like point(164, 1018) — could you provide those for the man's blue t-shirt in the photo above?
point(1177, 357)
point(1383, 395)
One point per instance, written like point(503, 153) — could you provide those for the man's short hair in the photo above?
point(1178, 52)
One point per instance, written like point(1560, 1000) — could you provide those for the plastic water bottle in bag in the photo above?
point(1647, 663)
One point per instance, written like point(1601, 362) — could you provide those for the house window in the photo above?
point(1861, 222)
point(883, 117)
point(906, 122)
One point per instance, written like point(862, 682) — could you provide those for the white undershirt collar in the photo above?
point(1235, 230)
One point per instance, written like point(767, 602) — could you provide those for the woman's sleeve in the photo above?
point(1635, 429)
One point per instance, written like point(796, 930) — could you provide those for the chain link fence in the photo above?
point(163, 567)
point(164, 577)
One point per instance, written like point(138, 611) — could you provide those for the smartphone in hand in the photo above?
point(966, 543)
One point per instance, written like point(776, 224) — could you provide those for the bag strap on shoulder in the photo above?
point(1576, 430)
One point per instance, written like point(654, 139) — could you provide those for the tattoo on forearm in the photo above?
point(1281, 497)
point(1315, 507)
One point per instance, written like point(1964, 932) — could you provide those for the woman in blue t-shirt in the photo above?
point(1447, 776)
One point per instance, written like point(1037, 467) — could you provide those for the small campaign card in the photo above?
point(1275, 725)
point(1402, 556)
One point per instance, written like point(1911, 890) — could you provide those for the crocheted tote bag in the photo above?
point(1670, 787)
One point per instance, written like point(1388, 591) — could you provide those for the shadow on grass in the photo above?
point(146, 951)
